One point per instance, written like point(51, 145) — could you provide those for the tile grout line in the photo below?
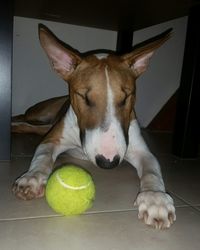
point(62, 216)
point(29, 218)
point(187, 204)
point(87, 213)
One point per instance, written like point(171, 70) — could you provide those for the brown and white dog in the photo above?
point(97, 122)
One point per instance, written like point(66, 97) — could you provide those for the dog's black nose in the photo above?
point(102, 162)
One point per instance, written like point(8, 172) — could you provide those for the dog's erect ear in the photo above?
point(62, 59)
point(138, 59)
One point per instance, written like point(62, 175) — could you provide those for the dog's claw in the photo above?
point(29, 187)
point(156, 209)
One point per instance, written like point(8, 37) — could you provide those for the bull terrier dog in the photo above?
point(96, 121)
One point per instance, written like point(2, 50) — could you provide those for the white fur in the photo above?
point(154, 204)
point(156, 209)
point(101, 55)
point(109, 139)
point(142, 159)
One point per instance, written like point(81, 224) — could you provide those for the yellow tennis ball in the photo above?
point(70, 190)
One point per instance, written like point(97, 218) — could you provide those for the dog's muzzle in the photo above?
point(102, 162)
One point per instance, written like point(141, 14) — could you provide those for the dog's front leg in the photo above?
point(62, 137)
point(155, 206)
point(32, 184)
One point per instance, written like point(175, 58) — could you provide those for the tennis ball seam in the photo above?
point(69, 186)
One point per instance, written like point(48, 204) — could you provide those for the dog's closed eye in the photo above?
point(86, 99)
point(123, 102)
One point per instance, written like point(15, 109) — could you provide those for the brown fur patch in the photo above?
point(55, 134)
point(122, 81)
point(88, 91)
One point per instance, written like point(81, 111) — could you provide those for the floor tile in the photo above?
point(116, 189)
point(24, 144)
point(198, 208)
point(183, 180)
point(112, 222)
point(160, 143)
point(10, 206)
point(110, 231)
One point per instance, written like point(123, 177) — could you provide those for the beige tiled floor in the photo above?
point(112, 223)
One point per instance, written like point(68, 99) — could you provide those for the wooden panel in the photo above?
point(187, 132)
point(108, 14)
point(124, 41)
point(165, 119)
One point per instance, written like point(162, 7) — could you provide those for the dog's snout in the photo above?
point(102, 162)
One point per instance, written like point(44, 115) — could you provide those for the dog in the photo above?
point(96, 121)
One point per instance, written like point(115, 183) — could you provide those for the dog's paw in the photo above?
point(30, 185)
point(156, 209)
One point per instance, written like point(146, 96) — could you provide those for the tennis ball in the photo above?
point(70, 190)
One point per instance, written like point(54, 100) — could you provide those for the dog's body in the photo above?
point(97, 123)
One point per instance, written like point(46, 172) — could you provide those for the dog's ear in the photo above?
point(63, 60)
point(138, 59)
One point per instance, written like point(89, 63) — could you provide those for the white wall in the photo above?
point(33, 79)
point(162, 78)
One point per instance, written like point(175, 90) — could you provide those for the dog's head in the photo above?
point(102, 93)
